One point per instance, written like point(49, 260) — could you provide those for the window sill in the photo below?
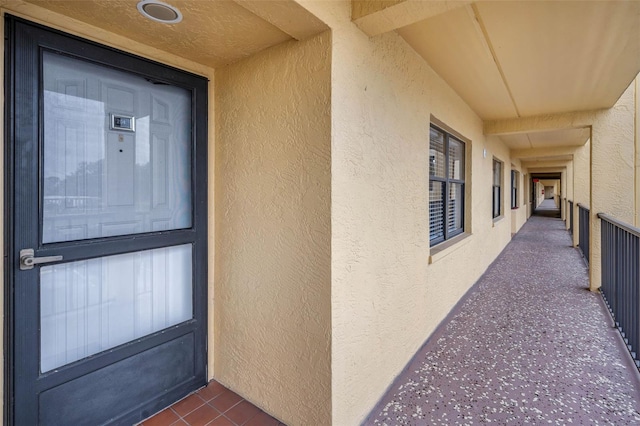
point(497, 219)
point(515, 208)
point(446, 248)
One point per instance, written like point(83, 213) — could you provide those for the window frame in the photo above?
point(515, 189)
point(447, 234)
point(497, 186)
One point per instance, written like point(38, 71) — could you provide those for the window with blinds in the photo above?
point(515, 178)
point(497, 188)
point(446, 186)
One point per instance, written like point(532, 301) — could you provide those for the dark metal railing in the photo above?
point(583, 231)
point(621, 278)
point(571, 217)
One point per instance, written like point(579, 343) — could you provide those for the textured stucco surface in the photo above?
point(581, 184)
point(212, 33)
point(106, 36)
point(273, 230)
point(613, 143)
point(569, 191)
point(612, 148)
point(386, 298)
point(637, 156)
point(321, 204)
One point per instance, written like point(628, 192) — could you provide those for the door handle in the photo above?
point(28, 260)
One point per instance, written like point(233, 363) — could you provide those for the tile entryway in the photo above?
point(213, 405)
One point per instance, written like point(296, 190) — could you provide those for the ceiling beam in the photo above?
point(540, 165)
point(543, 152)
point(547, 174)
point(375, 17)
point(287, 15)
point(542, 123)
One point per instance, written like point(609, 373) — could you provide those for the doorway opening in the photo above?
point(546, 194)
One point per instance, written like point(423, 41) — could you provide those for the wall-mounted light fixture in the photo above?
point(159, 12)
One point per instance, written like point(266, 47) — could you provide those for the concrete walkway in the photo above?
point(528, 345)
point(547, 204)
point(547, 208)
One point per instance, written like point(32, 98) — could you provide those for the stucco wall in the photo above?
point(568, 182)
point(614, 143)
point(612, 171)
point(581, 175)
point(581, 183)
point(386, 297)
point(273, 226)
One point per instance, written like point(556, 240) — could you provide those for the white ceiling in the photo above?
point(548, 139)
point(511, 59)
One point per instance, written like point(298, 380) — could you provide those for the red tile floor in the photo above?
point(213, 405)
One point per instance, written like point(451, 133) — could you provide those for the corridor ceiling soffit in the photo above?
point(548, 159)
point(546, 172)
point(564, 152)
point(212, 33)
point(551, 166)
point(510, 59)
point(547, 139)
point(375, 17)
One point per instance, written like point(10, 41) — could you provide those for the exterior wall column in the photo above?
point(568, 192)
point(612, 173)
point(637, 156)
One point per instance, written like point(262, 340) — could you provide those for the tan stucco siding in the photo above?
point(386, 297)
point(569, 191)
point(273, 228)
point(612, 172)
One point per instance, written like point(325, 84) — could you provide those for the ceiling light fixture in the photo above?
point(159, 12)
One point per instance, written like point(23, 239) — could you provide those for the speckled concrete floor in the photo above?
point(529, 345)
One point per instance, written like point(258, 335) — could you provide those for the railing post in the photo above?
point(570, 218)
point(584, 225)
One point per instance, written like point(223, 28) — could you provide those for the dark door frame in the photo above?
point(546, 176)
point(18, 34)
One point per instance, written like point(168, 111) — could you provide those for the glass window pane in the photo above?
point(514, 189)
point(497, 172)
point(117, 153)
point(94, 305)
point(436, 154)
point(496, 201)
point(456, 159)
point(455, 210)
point(436, 210)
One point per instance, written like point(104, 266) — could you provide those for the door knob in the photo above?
point(27, 259)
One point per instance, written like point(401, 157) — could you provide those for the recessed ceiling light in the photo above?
point(159, 12)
